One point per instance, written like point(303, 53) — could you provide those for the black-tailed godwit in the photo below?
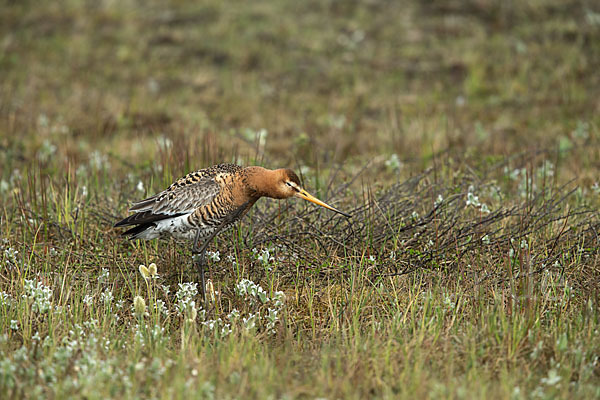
point(203, 203)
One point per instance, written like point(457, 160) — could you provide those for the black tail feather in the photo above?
point(145, 217)
point(142, 221)
point(133, 232)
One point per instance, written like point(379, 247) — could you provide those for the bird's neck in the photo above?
point(262, 182)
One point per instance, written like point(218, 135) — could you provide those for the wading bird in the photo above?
point(203, 203)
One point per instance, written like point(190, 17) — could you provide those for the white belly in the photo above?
point(177, 227)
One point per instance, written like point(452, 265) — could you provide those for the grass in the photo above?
point(462, 136)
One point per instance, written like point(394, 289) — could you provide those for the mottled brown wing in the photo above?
point(181, 199)
point(184, 196)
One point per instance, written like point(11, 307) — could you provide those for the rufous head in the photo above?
point(288, 185)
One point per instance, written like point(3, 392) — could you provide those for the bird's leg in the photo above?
point(200, 251)
point(200, 259)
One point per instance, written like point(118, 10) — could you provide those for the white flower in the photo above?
point(214, 255)
point(552, 379)
point(5, 299)
point(107, 297)
point(211, 323)
point(87, 299)
point(185, 297)
point(250, 322)
point(43, 120)
point(10, 255)
point(247, 288)
point(98, 160)
point(161, 307)
point(272, 319)
point(104, 274)
point(14, 324)
point(265, 256)
point(472, 200)
point(393, 162)
point(233, 315)
point(226, 329)
point(514, 174)
point(164, 142)
point(38, 294)
point(46, 151)
point(278, 299)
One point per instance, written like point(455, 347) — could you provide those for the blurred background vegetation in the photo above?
point(327, 81)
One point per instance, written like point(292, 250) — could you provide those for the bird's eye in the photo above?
point(292, 186)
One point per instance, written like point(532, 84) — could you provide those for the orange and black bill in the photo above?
point(303, 194)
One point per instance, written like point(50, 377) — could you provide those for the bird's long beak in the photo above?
point(303, 194)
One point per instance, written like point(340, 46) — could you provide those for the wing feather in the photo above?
point(185, 199)
point(173, 202)
point(184, 196)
